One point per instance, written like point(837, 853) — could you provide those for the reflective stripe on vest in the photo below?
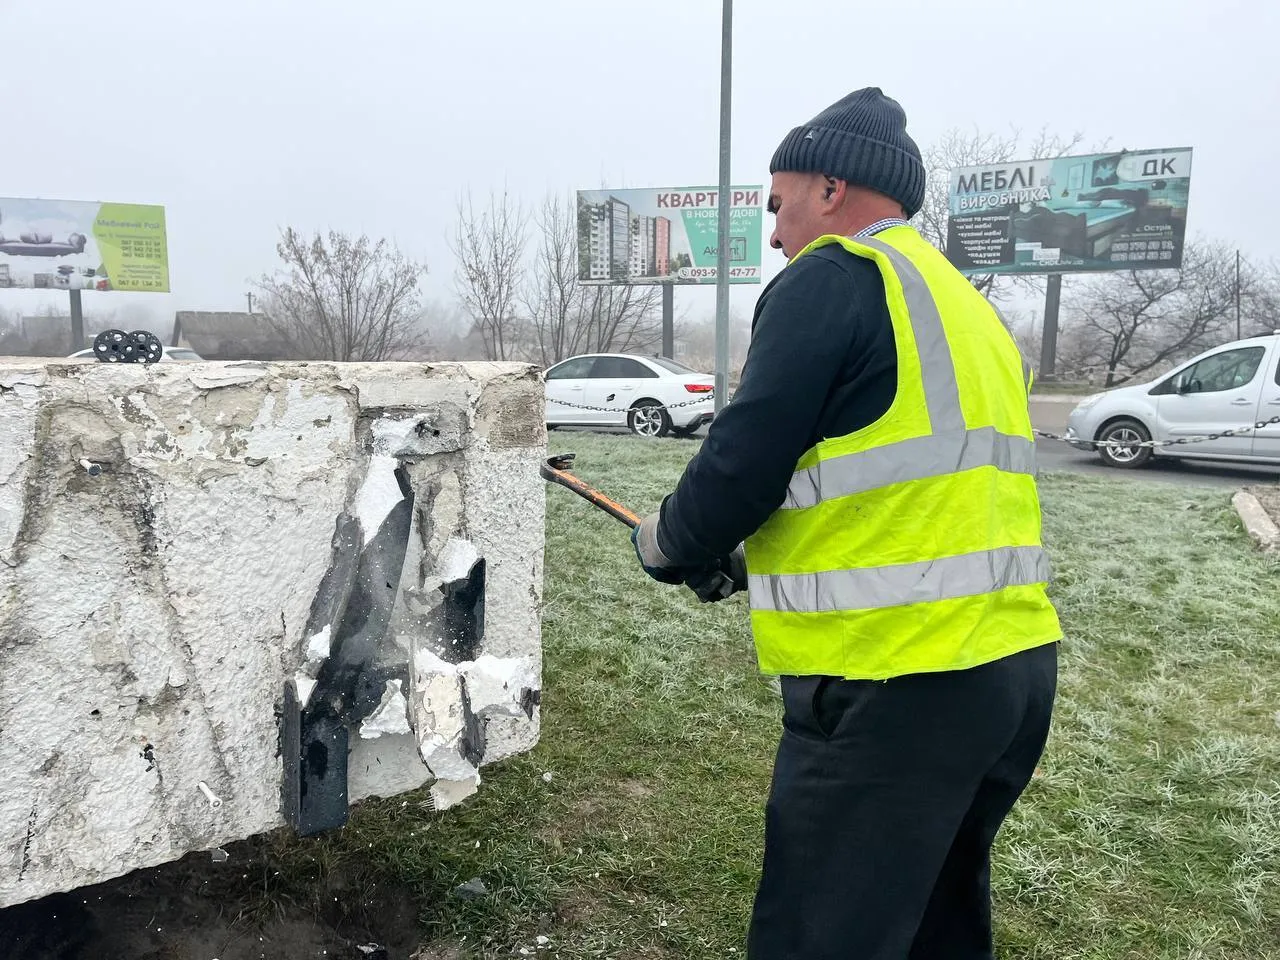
point(915, 459)
point(941, 391)
point(945, 579)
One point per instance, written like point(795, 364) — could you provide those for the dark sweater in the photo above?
point(822, 363)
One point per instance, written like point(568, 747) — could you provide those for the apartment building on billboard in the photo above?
point(620, 246)
point(641, 263)
point(650, 247)
point(619, 238)
point(598, 222)
point(662, 247)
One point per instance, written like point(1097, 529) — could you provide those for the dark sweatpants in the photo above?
point(886, 798)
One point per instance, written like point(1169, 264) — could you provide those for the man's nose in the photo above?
point(774, 241)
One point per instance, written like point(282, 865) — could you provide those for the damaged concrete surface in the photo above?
point(163, 534)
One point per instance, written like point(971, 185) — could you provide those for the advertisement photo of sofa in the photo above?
point(1084, 226)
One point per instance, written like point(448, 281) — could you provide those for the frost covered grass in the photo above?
point(1152, 831)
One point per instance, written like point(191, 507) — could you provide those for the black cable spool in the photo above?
point(148, 346)
point(108, 346)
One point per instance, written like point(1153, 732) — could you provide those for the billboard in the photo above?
point(78, 245)
point(1106, 211)
point(667, 235)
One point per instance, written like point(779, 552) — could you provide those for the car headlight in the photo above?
point(1089, 401)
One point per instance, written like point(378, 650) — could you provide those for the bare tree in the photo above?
point(567, 316)
point(959, 149)
point(490, 250)
point(621, 319)
point(553, 297)
point(699, 340)
point(1125, 324)
point(342, 299)
point(1259, 297)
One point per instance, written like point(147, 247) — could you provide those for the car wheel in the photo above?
point(1125, 431)
point(648, 418)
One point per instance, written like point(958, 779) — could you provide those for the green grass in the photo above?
point(1153, 830)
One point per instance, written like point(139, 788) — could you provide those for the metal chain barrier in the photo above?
point(702, 398)
point(1133, 445)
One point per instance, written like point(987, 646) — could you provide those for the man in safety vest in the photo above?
point(877, 467)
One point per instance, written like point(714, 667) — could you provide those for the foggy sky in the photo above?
point(248, 115)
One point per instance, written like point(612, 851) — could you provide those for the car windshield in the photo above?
point(669, 364)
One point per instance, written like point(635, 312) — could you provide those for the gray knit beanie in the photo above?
point(861, 138)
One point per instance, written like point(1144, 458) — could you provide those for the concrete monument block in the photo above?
point(199, 562)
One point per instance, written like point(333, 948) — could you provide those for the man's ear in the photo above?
point(834, 191)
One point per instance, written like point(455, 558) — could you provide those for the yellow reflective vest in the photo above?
point(913, 545)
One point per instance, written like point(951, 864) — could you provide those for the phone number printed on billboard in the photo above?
point(709, 273)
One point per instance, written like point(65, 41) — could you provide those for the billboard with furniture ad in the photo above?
point(1109, 211)
point(78, 245)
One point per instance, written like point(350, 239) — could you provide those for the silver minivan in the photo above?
point(1229, 387)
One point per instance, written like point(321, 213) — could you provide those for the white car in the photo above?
point(1229, 387)
point(622, 389)
point(170, 353)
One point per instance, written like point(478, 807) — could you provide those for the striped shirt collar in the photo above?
point(879, 225)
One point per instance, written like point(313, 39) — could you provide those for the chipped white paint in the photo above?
point(378, 495)
point(305, 686)
point(212, 376)
point(392, 715)
point(442, 693)
point(150, 614)
point(456, 560)
point(318, 645)
point(438, 716)
point(391, 435)
point(499, 684)
point(450, 793)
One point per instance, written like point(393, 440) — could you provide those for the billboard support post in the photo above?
point(722, 240)
point(77, 323)
point(668, 321)
point(1049, 341)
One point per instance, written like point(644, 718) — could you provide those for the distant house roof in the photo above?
point(216, 335)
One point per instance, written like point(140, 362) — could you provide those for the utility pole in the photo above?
point(668, 321)
point(723, 210)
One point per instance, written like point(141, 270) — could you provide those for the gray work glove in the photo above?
point(655, 563)
point(722, 581)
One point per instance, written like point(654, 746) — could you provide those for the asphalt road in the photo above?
point(1053, 456)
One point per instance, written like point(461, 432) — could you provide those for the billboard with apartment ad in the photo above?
point(79, 245)
point(1106, 211)
point(667, 235)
